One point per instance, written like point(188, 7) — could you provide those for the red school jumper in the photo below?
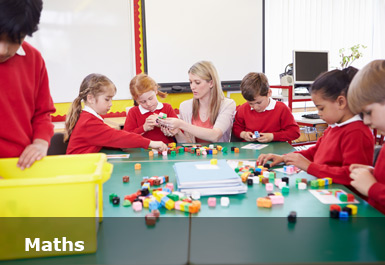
point(377, 190)
point(91, 134)
point(135, 121)
point(337, 149)
point(25, 102)
point(278, 121)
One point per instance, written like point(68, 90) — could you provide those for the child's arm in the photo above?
point(264, 158)
point(248, 136)
point(297, 160)
point(363, 180)
point(41, 124)
point(100, 134)
point(33, 152)
point(289, 128)
point(353, 151)
point(211, 135)
point(131, 123)
point(239, 127)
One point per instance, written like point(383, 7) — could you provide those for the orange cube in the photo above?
point(138, 166)
point(236, 150)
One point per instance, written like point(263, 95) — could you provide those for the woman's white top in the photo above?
point(224, 120)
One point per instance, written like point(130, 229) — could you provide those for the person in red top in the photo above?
point(346, 141)
point(142, 119)
point(273, 120)
point(85, 129)
point(25, 102)
point(367, 95)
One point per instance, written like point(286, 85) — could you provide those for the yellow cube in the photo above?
point(146, 203)
point(330, 180)
point(321, 182)
point(213, 161)
point(170, 204)
point(353, 207)
point(215, 152)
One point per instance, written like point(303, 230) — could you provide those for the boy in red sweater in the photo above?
point(142, 119)
point(273, 120)
point(25, 103)
point(85, 129)
point(346, 141)
point(367, 95)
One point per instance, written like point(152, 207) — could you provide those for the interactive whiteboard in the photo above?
point(79, 37)
point(181, 32)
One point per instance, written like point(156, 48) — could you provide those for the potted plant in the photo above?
point(352, 54)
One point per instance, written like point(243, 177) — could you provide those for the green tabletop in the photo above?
point(239, 234)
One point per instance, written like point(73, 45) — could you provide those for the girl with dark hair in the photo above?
point(346, 141)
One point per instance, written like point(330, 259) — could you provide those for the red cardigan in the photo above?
point(91, 134)
point(278, 121)
point(337, 149)
point(25, 102)
point(135, 121)
point(377, 190)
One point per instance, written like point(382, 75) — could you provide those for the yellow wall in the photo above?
point(173, 99)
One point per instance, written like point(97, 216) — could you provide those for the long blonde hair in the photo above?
point(367, 87)
point(207, 71)
point(94, 84)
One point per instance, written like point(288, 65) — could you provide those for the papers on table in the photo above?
point(254, 146)
point(208, 179)
point(118, 156)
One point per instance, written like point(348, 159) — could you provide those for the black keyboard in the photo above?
point(311, 116)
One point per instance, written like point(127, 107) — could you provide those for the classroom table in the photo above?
point(239, 234)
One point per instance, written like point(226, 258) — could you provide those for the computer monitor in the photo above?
point(307, 65)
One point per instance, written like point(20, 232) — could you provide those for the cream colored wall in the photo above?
point(120, 105)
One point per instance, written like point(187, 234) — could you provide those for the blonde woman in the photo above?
point(208, 116)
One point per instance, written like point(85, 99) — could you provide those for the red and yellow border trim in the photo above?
point(138, 35)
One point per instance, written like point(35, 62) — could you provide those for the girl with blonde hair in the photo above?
point(208, 116)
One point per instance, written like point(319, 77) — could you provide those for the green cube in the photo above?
point(285, 190)
point(224, 150)
point(343, 197)
point(173, 197)
point(314, 184)
point(236, 169)
point(173, 153)
point(181, 150)
point(112, 195)
point(126, 203)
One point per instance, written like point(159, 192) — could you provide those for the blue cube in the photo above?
point(344, 215)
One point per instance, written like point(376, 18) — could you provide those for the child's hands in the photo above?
point(265, 137)
point(35, 151)
point(297, 160)
point(263, 158)
point(248, 136)
point(150, 123)
point(354, 166)
point(362, 179)
point(171, 123)
point(159, 145)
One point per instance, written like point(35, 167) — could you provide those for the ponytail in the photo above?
point(334, 83)
point(72, 118)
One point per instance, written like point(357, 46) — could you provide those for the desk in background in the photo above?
point(255, 235)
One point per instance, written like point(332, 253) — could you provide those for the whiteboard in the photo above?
point(79, 37)
point(179, 33)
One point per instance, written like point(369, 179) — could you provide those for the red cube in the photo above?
point(350, 197)
point(335, 207)
point(126, 179)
